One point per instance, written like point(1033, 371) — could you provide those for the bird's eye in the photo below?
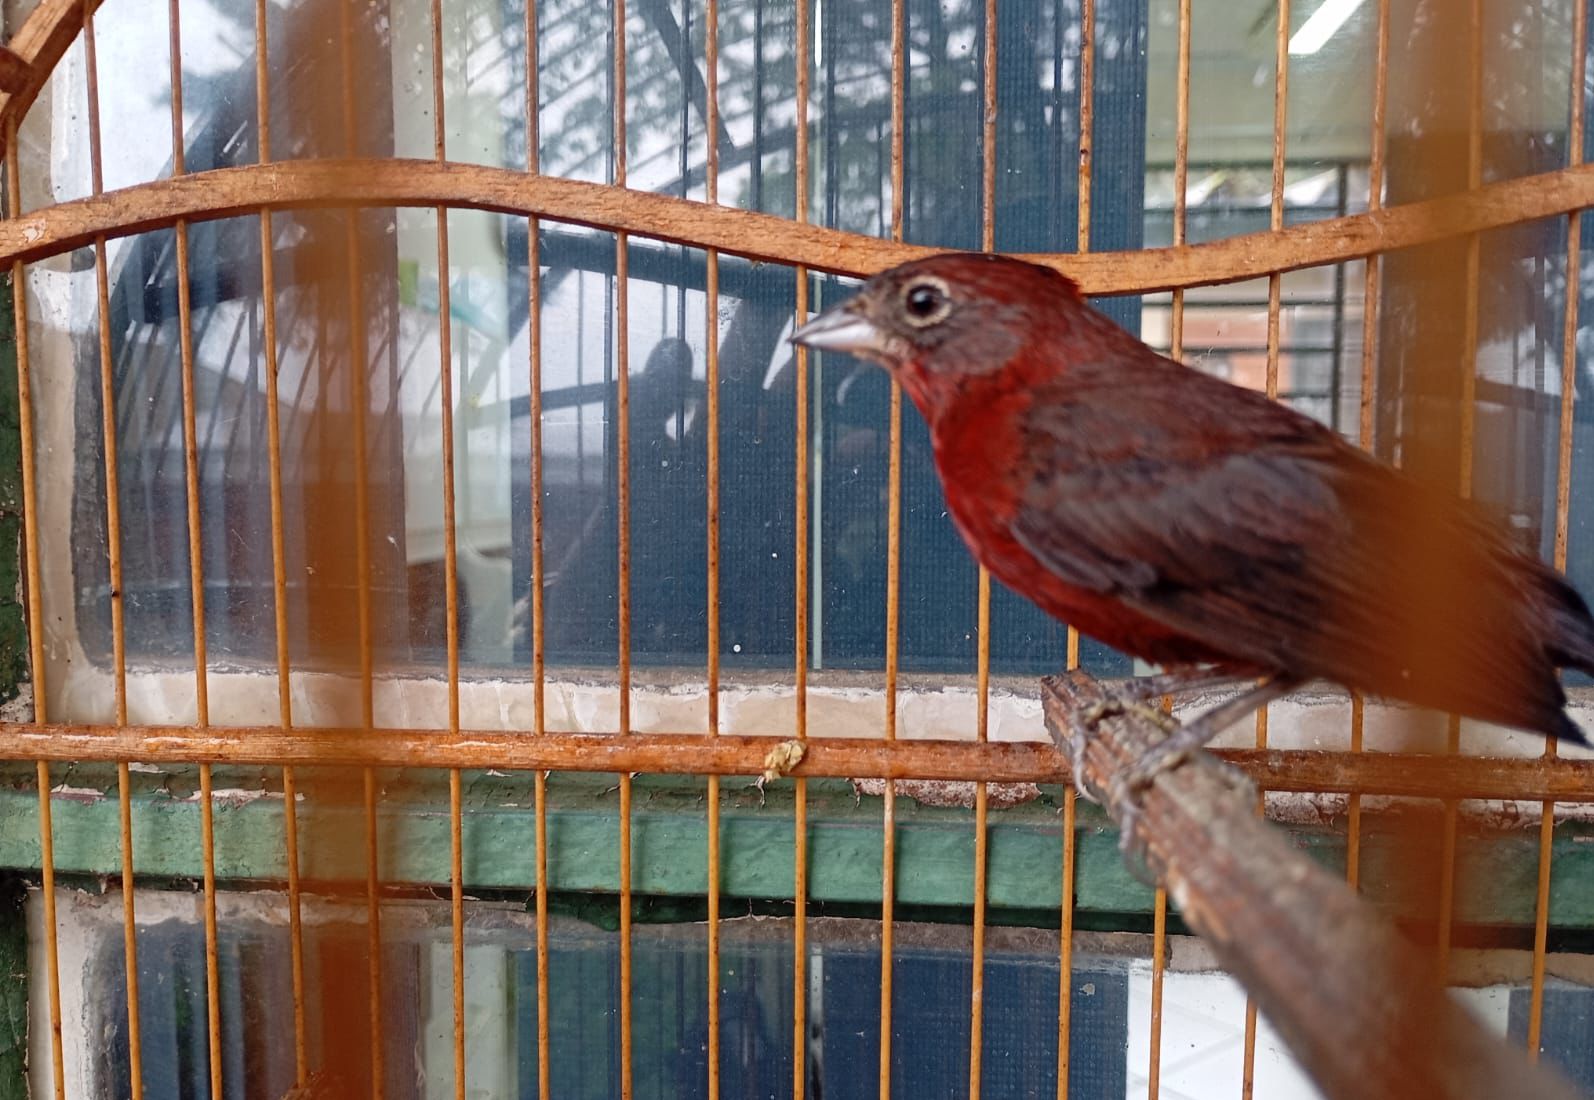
point(925, 302)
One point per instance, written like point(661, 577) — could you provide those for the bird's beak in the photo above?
point(842, 328)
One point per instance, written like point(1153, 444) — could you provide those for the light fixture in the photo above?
point(1329, 17)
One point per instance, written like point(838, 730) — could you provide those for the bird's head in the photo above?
point(939, 323)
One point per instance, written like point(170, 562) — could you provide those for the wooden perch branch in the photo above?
point(1361, 1009)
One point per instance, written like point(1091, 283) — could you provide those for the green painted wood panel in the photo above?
point(1496, 870)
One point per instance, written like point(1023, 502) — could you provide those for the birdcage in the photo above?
point(462, 649)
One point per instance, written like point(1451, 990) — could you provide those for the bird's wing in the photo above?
point(1257, 533)
point(1216, 547)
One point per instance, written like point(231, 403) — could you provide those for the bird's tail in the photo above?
point(1571, 642)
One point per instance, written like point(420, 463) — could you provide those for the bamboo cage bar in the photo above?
point(1415, 775)
point(33, 598)
point(450, 559)
point(1468, 433)
point(1275, 287)
point(1563, 499)
point(359, 406)
point(1369, 383)
point(191, 477)
point(622, 415)
point(114, 571)
point(1065, 921)
point(711, 384)
point(399, 182)
point(893, 624)
point(1181, 181)
point(279, 567)
point(982, 599)
point(538, 635)
point(800, 363)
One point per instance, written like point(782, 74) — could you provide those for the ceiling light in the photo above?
point(1328, 18)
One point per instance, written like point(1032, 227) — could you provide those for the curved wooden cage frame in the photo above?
point(34, 51)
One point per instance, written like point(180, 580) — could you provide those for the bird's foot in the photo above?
point(1153, 714)
point(1131, 704)
point(1129, 784)
point(1187, 738)
point(1124, 796)
point(1084, 723)
point(1081, 724)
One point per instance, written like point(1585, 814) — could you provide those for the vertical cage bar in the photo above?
point(113, 538)
point(1368, 397)
point(1181, 171)
point(711, 349)
point(207, 822)
point(279, 568)
point(1469, 387)
point(1281, 99)
point(1159, 949)
point(800, 569)
point(1065, 936)
point(622, 401)
point(196, 566)
point(135, 1058)
point(207, 825)
point(1087, 116)
point(34, 597)
point(888, 863)
point(212, 965)
point(539, 667)
point(362, 557)
point(1065, 954)
point(982, 713)
point(1181, 177)
point(113, 510)
point(1563, 498)
point(52, 952)
point(456, 825)
point(1248, 1058)
point(1275, 286)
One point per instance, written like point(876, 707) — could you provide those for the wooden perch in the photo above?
point(1360, 1007)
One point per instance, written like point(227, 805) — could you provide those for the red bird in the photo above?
point(1190, 522)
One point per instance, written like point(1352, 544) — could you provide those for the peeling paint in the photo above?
point(77, 794)
point(19, 708)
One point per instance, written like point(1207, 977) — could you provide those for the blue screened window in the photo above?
point(378, 351)
point(930, 1022)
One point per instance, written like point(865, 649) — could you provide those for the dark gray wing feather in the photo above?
point(1259, 534)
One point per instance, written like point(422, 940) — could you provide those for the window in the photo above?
point(489, 327)
point(326, 335)
point(1321, 331)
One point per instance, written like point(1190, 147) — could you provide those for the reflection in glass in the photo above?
point(385, 310)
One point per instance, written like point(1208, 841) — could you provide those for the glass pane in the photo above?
point(394, 347)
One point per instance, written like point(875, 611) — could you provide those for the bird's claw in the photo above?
point(1081, 725)
point(1124, 795)
point(1085, 722)
point(1129, 783)
point(1076, 761)
point(1092, 716)
point(1153, 714)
